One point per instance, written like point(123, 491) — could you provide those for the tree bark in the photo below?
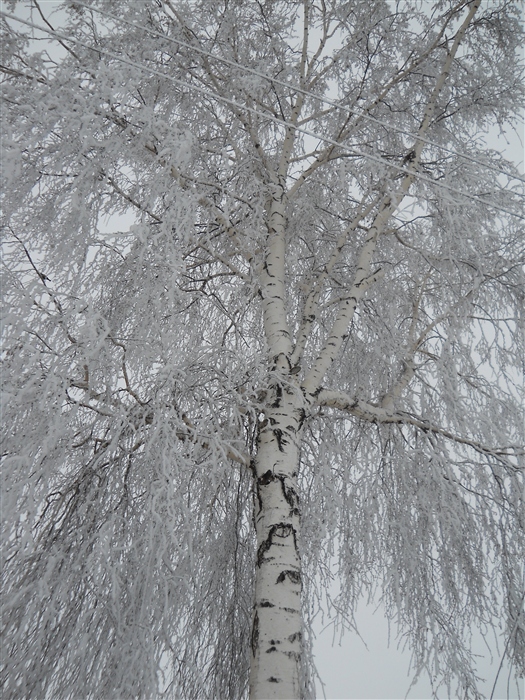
point(276, 672)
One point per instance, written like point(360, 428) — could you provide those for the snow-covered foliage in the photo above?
point(186, 242)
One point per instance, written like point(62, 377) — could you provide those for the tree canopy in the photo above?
point(207, 206)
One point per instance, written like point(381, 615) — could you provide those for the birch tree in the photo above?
point(264, 326)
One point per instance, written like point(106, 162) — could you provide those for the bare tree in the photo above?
point(265, 311)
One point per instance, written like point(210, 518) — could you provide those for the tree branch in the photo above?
point(311, 305)
point(62, 44)
point(229, 452)
point(376, 414)
point(363, 277)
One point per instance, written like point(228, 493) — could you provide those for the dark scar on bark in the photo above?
point(266, 478)
point(293, 576)
point(302, 418)
point(291, 497)
point(278, 396)
point(292, 655)
point(281, 441)
point(255, 633)
point(287, 529)
point(289, 492)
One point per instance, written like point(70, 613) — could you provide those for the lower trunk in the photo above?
point(276, 672)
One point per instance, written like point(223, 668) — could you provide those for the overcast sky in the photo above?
point(351, 671)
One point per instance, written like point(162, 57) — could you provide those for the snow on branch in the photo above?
point(375, 414)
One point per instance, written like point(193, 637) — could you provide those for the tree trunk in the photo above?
point(277, 622)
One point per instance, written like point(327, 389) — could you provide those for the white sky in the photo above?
point(351, 671)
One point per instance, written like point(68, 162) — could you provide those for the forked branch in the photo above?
point(364, 276)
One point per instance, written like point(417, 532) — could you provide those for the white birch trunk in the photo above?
point(277, 622)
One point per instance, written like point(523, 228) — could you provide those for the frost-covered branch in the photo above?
point(309, 314)
point(364, 277)
point(377, 414)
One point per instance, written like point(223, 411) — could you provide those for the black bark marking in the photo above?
point(284, 530)
point(281, 354)
point(290, 496)
point(295, 636)
point(259, 497)
point(255, 633)
point(266, 269)
point(272, 679)
point(269, 651)
point(289, 493)
point(279, 530)
point(278, 396)
point(263, 548)
point(281, 441)
point(266, 478)
point(293, 576)
point(292, 655)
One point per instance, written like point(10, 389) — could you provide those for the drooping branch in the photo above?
point(408, 361)
point(229, 452)
point(62, 44)
point(411, 67)
point(377, 414)
point(125, 195)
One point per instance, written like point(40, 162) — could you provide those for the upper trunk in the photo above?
point(277, 623)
